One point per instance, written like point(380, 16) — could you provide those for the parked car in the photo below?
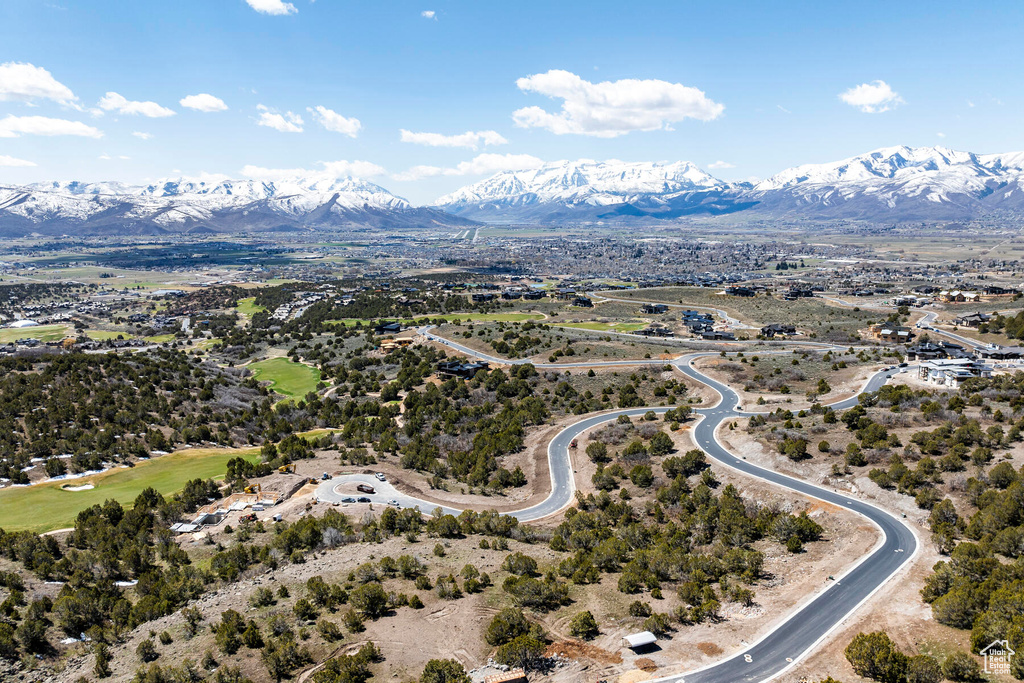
point(393, 502)
point(380, 476)
point(348, 500)
point(365, 488)
point(363, 499)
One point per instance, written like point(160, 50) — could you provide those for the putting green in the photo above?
point(286, 377)
point(248, 307)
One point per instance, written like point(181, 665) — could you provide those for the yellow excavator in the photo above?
point(255, 488)
point(290, 467)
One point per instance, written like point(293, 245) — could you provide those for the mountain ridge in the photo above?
point(222, 205)
point(888, 184)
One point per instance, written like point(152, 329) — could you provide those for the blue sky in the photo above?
point(743, 90)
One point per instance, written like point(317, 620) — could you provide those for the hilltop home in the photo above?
point(776, 329)
point(459, 369)
point(654, 308)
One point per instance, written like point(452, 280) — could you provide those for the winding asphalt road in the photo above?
point(799, 633)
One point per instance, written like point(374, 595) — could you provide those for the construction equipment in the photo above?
point(251, 517)
point(255, 488)
point(283, 469)
point(314, 480)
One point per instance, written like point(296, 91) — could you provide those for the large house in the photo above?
point(461, 369)
point(972, 319)
point(654, 308)
point(952, 372)
point(957, 297)
point(778, 329)
point(896, 334)
point(932, 351)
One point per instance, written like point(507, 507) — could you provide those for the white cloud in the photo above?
point(16, 126)
point(142, 136)
point(275, 7)
point(469, 139)
point(11, 161)
point(941, 135)
point(970, 104)
point(27, 82)
point(783, 109)
point(284, 123)
point(428, 14)
point(721, 164)
point(329, 169)
point(203, 102)
point(872, 98)
point(115, 102)
point(611, 108)
point(335, 122)
point(482, 164)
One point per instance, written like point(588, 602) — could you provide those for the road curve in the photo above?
point(798, 634)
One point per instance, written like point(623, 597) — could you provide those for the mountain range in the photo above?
point(195, 206)
point(889, 185)
point(893, 184)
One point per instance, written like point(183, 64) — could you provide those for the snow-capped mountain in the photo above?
point(900, 183)
point(887, 185)
point(187, 204)
point(576, 187)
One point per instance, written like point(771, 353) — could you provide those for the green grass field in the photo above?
point(46, 506)
point(100, 335)
point(248, 307)
point(286, 377)
point(44, 333)
point(160, 338)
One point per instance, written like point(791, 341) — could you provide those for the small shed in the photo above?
point(642, 639)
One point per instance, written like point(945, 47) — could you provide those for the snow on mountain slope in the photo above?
point(898, 183)
point(583, 182)
point(889, 184)
point(181, 203)
point(889, 163)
